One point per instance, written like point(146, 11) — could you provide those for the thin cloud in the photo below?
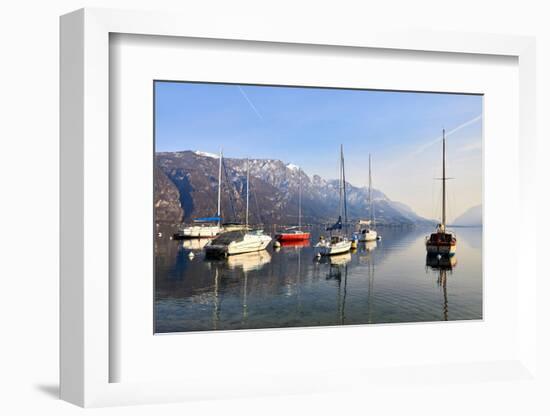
point(447, 134)
point(437, 140)
point(471, 146)
point(250, 102)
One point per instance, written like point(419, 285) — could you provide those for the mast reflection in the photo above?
point(217, 309)
point(338, 270)
point(443, 265)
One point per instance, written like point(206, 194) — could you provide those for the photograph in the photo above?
point(282, 206)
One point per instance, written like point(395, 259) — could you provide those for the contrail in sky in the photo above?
point(250, 102)
point(447, 134)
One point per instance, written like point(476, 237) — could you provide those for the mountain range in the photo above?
point(186, 184)
point(471, 218)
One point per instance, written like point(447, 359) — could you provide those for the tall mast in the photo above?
point(219, 214)
point(370, 191)
point(300, 199)
point(345, 206)
point(340, 184)
point(443, 213)
point(247, 189)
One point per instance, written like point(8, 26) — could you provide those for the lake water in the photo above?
point(388, 281)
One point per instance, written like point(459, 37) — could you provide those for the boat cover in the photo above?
point(337, 225)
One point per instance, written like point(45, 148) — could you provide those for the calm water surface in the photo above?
point(388, 281)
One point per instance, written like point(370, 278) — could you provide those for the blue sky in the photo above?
point(305, 126)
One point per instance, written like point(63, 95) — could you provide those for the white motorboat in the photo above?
point(239, 241)
point(338, 243)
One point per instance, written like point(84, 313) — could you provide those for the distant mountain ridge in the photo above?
point(274, 190)
point(473, 217)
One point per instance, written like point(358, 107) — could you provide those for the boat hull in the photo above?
point(291, 237)
point(441, 243)
point(333, 249)
point(199, 232)
point(441, 249)
point(247, 245)
point(371, 235)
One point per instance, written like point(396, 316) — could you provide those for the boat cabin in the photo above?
point(336, 239)
point(227, 238)
point(441, 238)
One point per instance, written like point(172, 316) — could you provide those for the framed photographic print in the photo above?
point(276, 221)
point(291, 202)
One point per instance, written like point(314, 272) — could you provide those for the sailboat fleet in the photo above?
point(236, 238)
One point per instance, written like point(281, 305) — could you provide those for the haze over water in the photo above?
point(388, 281)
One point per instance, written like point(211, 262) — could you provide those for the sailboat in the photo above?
point(338, 243)
point(296, 234)
point(366, 233)
point(206, 227)
point(239, 241)
point(441, 242)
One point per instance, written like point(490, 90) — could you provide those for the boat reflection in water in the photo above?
point(335, 260)
point(381, 282)
point(339, 259)
point(442, 265)
point(370, 245)
point(249, 261)
point(195, 244)
point(297, 243)
point(338, 270)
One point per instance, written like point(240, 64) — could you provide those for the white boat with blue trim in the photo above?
point(338, 242)
point(206, 227)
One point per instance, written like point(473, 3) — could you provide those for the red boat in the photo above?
point(295, 233)
point(295, 243)
point(292, 235)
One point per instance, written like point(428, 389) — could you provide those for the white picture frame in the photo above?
point(85, 212)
